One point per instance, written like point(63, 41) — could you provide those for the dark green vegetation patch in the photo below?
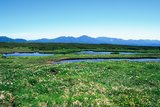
point(64, 48)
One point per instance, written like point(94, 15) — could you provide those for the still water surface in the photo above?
point(93, 52)
point(100, 60)
point(26, 54)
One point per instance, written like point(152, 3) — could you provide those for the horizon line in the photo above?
point(76, 37)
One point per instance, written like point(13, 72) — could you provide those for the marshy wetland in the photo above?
point(38, 81)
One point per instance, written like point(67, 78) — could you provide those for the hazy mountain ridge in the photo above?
point(87, 40)
point(7, 39)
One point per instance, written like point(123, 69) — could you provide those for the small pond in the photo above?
point(26, 54)
point(93, 52)
point(100, 60)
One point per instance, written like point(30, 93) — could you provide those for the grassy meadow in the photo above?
point(38, 82)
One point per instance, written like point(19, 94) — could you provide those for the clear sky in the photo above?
point(127, 19)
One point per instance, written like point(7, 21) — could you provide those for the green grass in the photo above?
point(30, 81)
point(1, 55)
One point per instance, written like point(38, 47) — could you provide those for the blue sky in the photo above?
point(127, 19)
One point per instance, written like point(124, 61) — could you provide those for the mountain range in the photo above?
point(86, 40)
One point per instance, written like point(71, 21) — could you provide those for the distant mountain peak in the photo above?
point(84, 36)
